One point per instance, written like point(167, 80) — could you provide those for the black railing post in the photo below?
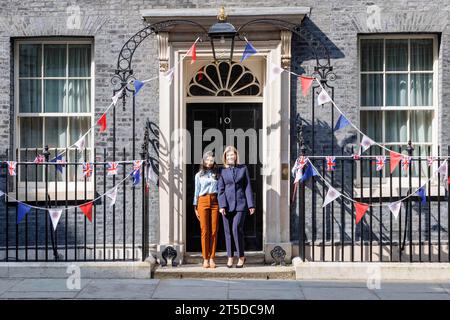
point(46, 154)
point(302, 213)
point(410, 150)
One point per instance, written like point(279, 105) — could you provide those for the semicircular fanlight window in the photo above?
point(224, 79)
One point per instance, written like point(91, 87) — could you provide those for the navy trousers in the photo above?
point(234, 221)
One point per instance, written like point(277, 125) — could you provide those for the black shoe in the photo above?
point(240, 266)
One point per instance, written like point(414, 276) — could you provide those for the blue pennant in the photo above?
point(248, 51)
point(22, 210)
point(341, 123)
point(136, 176)
point(137, 86)
point(58, 166)
point(421, 193)
point(309, 172)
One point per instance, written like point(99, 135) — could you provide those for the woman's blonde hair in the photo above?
point(224, 157)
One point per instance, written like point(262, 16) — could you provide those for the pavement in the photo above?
point(220, 289)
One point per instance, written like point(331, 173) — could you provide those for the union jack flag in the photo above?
point(406, 161)
point(87, 169)
point(331, 163)
point(112, 168)
point(301, 162)
point(137, 164)
point(381, 161)
point(39, 159)
point(12, 167)
point(430, 160)
point(136, 171)
point(357, 156)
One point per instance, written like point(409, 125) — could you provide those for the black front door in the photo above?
point(223, 116)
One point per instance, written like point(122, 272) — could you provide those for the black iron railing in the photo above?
point(330, 233)
point(116, 232)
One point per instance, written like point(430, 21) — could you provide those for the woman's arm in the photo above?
point(248, 190)
point(221, 196)
point(197, 189)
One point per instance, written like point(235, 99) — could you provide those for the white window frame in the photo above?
point(434, 108)
point(60, 186)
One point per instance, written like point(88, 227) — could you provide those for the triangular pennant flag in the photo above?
point(332, 195)
point(137, 86)
point(12, 167)
point(309, 172)
point(169, 75)
point(2, 194)
point(298, 175)
point(361, 209)
point(422, 194)
point(39, 159)
point(58, 159)
point(87, 210)
point(192, 53)
point(55, 215)
point(341, 123)
point(366, 142)
point(152, 175)
point(112, 195)
point(323, 97)
point(274, 72)
point(102, 122)
point(306, 83)
point(22, 210)
point(248, 51)
point(443, 169)
point(80, 144)
point(116, 97)
point(395, 208)
point(394, 160)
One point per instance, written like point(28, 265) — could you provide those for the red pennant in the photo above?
point(395, 159)
point(102, 122)
point(87, 210)
point(306, 83)
point(361, 209)
point(192, 53)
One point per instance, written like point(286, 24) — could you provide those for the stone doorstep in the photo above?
point(253, 257)
point(88, 270)
point(371, 270)
point(222, 272)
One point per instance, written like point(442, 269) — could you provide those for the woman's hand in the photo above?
point(196, 213)
point(252, 211)
point(222, 211)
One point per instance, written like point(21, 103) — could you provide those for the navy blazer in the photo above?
point(235, 192)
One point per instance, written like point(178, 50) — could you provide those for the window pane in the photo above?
point(372, 55)
point(396, 90)
point(29, 95)
point(55, 60)
point(371, 90)
point(31, 133)
point(79, 60)
point(396, 126)
point(397, 55)
point(421, 54)
point(420, 126)
point(30, 59)
point(79, 126)
point(421, 89)
point(79, 95)
point(32, 170)
point(54, 95)
point(420, 150)
point(371, 124)
point(55, 132)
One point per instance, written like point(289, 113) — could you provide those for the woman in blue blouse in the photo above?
point(206, 207)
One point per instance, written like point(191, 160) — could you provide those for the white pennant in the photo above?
point(55, 215)
point(151, 175)
point(366, 142)
point(323, 97)
point(274, 72)
point(298, 175)
point(443, 169)
point(2, 194)
point(112, 195)
point(395, 208)
point(169, 75)
point(332, 195)
point(80, 143)
point(116, 97)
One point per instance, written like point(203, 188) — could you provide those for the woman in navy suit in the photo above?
point(235, 199)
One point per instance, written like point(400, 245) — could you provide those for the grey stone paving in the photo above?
point(220, 289)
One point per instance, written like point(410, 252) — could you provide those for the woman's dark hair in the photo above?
point(203, 167)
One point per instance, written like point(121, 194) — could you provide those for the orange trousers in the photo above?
point(208, 210)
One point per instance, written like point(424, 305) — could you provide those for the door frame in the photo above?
point(276, 144)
